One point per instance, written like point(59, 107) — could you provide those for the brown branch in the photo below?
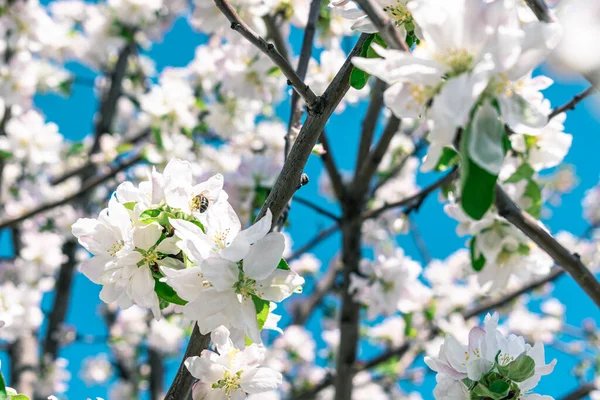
point(580, 392)
point(573, 102)
point(415, 201)
point(301, 69)
point(319, 237)
point(274, 33)
point(313, 102)
point(157, 371)
point(370, 121)
point(350, 308)
point(366, 171)
point(571, 263)
point(303, 310)
point(89, 185)
point(337, 184)
point(286, 183)
point(386, 27)
point(61, 303)
point(316, 208)
point(540, 9)
point(88, 165)
point(24, 363)
point(183, 381)
point(108, 105)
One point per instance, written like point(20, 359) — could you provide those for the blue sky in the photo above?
point(74, 117)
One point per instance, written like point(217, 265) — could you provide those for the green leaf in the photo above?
point(448, 159)
point(262, 310)
point(477, 192)
point(358, 77)
point(477, 262)
point(283, 265)
point(497, 390)
point(525, 171)
point(124, 147)
point(19, 397)
point(166, 292)
point(482, 153)
point(5, 155)
point(75, 148)
point(518, 370)
point(150, 214)
point(158, 137)
point(409, 330)
point(534, 193)
point(129, 205)
point(3, 394)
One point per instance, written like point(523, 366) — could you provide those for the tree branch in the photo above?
point(370, 121)
point(316, 208)
point(182, 384)
point(286, 183)
point(303, 310)
point(89, 185)
point(157, 371)
point(366, 171)
point(313, 102)
point(301, 69)
point(319, 237)
point(333, 172)
point(540, 9)
point(580, 392)
point(573, 102)
point(530, 227)
point(415, 201)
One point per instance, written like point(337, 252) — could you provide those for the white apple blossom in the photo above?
point(231, 373)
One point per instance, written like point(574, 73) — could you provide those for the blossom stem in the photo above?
point(573, 102)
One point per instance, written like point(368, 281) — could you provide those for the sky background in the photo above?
point(74, 116)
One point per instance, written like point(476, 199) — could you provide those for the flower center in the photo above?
point(399, 13)
point(459, 61)
point(151, 258)
point(245, 286)
point(230, 382)
point(115, 248)
point(220, 239)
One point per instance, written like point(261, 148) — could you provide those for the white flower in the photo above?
point(96, 370)
point(231, 373)
point(488, 350)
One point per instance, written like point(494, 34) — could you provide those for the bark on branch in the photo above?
point(570, 262)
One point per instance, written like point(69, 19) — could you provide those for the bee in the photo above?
point(199, 203)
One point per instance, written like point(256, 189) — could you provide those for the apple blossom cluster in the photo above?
point(170, 240)
point(491, 366)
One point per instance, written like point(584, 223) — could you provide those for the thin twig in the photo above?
point(319, 237)
point(316, 208)
point(568, 261)
point(415, 201)
point(313, 102)
point(303, 310)
point(91, 184)
point(366, 171)
point(274, 33)
point(79, 170)
point(370, 121)
point(337, 184)
point(573, 102)
point(580, 392)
